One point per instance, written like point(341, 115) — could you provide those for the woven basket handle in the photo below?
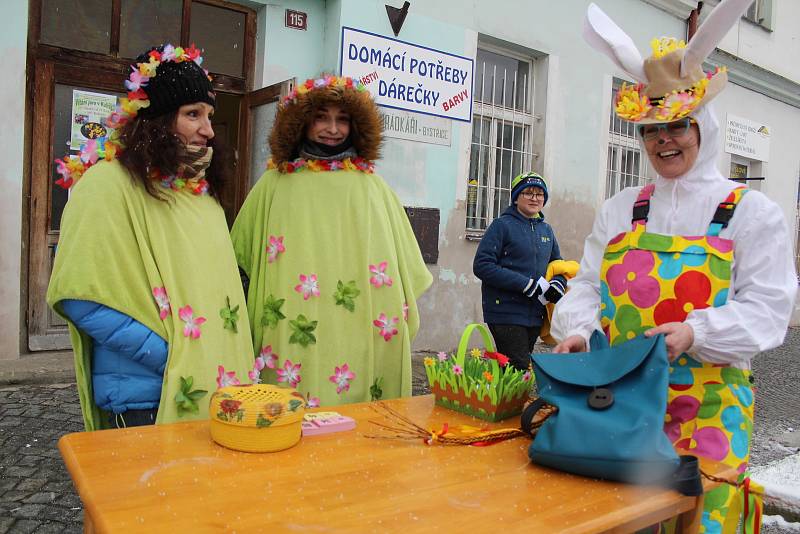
point(487, 339)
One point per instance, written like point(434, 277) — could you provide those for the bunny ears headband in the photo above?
point(671, 82)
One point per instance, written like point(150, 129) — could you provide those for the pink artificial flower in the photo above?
point(192, 324)
point(526, 376)
point(160, 294)
point(387, 327)
point(308, 286)
point(226, 378)
point(260, 362)
point(379, 277)
point(311, 402)
point(168, 54)
point(89, 152)
point(136, 80)
point(341, 377)
point(115, 120)
point(442, 356)
point(458, 370)
point(274, 248)
point(290, 373)
point(676, 105)
point(405, 311)
point(269, 358)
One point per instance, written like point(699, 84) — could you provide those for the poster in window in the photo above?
point(89, 112)
point(739, 171)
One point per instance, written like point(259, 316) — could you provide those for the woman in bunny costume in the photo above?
point(694, 256)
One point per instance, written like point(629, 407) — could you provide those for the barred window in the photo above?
point(502, 128)
point(627, 163)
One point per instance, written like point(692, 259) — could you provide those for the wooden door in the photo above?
point(93, 52)
point(54, 86)
point(257, 115)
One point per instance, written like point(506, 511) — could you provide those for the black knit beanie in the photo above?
point(174, 85)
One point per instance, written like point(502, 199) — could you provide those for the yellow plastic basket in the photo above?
point(256, 417)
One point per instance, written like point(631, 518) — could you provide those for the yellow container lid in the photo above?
point(256, 417)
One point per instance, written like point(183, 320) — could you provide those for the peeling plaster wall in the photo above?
point(13, 46)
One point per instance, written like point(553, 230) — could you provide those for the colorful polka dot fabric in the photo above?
point(649, 279)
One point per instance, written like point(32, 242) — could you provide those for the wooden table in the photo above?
point(174, 478)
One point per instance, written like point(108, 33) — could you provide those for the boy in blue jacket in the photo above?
point(511, 262)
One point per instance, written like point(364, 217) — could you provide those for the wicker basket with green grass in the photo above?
point(478, 382)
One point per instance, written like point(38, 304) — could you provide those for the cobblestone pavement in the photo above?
point(37, 492)
point(37, 495)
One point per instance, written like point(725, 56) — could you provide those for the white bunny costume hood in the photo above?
point(763, 281)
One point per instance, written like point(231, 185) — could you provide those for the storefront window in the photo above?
point(502, 126)
point(501, 80)
point(77, 24)
point(145, 23)
point(221, 33)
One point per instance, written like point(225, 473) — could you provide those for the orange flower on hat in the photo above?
point(631, 104)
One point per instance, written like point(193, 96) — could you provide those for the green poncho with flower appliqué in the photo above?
point(335, 272)
point(166, 265)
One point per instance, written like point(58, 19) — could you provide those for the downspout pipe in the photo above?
point(691, 22)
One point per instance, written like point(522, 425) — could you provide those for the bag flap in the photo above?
point(600, 367)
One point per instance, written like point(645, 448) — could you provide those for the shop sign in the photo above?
point(406, 76)
point(415, 127)
point(747, 138)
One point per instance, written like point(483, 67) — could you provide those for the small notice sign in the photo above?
point(747, 138)
point(402, 124)
point(296, 19)
point(89, 111)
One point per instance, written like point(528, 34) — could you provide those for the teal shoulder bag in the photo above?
point(611, 403)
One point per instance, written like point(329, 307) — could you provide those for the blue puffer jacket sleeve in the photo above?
point(128, 359)
point(487, 264)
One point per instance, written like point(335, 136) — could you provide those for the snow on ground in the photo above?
point(776, 523)
point(781, 481)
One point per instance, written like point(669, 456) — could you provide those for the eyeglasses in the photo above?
point(531, 194)
point(678, 128)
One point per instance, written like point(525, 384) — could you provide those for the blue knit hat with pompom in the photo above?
point(524, 181)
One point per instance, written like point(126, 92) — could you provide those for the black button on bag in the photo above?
point(601, 398)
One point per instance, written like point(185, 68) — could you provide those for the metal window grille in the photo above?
point(627, 164)
point(502, 128)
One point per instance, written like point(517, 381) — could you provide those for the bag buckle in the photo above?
point(600, 398)
point(724, 213)
point(641, 208)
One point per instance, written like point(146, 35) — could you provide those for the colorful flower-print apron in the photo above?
point(650, 279)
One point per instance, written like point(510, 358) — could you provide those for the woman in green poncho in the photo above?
point(145, 272)
point(334, 268)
